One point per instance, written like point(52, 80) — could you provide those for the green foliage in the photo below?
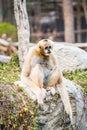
point(10, 72)
point(25, 114)
point(79, 77)
point(8, 29)
point(17, 115)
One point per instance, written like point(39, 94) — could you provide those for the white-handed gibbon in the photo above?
point(41, 70)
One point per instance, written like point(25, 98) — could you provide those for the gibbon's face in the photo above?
point(46, 47)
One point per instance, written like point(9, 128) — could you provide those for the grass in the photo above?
point(8, 29)
point(25, 113)
point(9, 73)
point(17, 115)
point(79, 77)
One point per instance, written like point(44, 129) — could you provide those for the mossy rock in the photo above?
point(19, 111)
point(8, 29)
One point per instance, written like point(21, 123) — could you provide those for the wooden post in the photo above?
point(68, 21)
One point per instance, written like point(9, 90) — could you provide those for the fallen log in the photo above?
point(4, 59)
point(4, 42)
point(3, 48)
point(7, 47)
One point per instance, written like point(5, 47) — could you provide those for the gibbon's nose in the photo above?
point(49, 51)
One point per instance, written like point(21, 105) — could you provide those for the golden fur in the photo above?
point(41, 70)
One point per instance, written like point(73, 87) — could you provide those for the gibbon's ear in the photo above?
point(39, 45)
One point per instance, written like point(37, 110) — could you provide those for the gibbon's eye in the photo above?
point(46, 47)
point(45, 40)
point(49, 47)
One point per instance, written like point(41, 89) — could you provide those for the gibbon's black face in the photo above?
point(46, 47)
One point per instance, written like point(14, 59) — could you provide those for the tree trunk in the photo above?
point(1, 13)
point(78, 22)
point(68, 21)
point(84, 3)
point(23, 29)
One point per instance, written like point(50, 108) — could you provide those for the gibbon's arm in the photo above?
point(26, 70)
point(54, 59)
point(25, 76)
point(27, 67)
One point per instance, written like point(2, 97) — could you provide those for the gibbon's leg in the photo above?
point(37, 77)
point(56, 78)
point(52, 78)
point(34, 88)
point(34, 82)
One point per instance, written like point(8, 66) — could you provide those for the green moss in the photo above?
point(13, 93)
point(9, 73)
point(55, 97)
point(20, 88)
point(17, 114)
point(26, 113)
point(79, 77)
point(8, 29)
point(1, 94)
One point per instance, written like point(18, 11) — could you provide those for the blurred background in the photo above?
point(47, 19)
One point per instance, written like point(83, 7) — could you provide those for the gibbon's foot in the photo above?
point(41, 107)
point(40, 102)
point(67, 122)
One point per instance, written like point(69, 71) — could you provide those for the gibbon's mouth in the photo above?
point(49, 52)
point(45, 54)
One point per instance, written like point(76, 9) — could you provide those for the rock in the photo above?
point(53, 91)
point(53, 115)
point(83, 125)
point(69, 57)
point(26, 89)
